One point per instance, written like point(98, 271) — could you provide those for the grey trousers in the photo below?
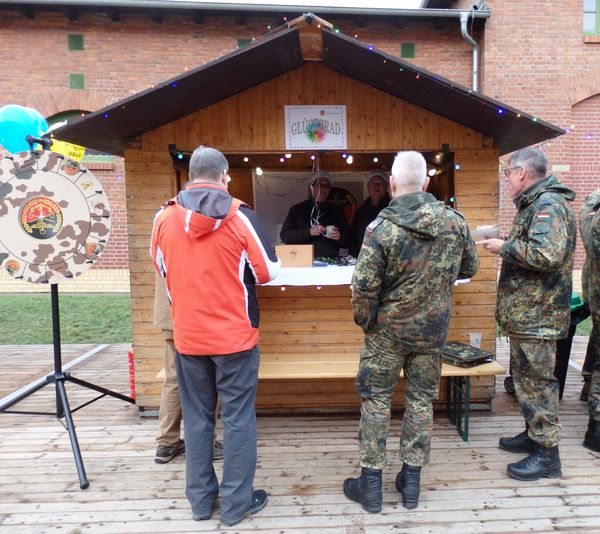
point(233, 377)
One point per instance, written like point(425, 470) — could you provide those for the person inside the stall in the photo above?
point(316, 221)
point(379, 198)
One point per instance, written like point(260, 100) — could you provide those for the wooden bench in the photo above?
point(344, 365)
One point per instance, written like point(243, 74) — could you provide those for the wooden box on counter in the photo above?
point(295, 255)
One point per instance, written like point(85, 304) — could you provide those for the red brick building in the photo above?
point(80, 56)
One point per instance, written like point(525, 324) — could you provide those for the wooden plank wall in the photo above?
point(253, 122)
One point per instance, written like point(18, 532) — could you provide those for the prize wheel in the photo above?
point(54, 217)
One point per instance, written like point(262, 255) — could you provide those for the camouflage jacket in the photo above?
point(534, 289)
point(589, 226)
point(412, 254)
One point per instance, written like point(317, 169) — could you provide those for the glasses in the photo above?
point(509, 169)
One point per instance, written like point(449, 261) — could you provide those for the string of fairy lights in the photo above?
point(408, 69)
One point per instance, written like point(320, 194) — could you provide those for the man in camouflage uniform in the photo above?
point(589, 226)
point(534, 305)
point(412, 254)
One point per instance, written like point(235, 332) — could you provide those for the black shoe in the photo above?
point(592, 436)
point(585, 389)
point(365, 489)
point(164, 453)
point(520, 443)
point(218, 450)
point(258, 502)
point(408, 482)
point(544, 462)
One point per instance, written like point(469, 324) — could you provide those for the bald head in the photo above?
point(409, 173)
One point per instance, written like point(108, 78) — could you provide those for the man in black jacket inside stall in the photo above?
point(307, 222)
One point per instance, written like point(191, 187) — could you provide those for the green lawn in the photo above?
point(584, 328)
point(27, 319)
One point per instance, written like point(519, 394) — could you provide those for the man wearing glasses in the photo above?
point(317, 221)
point(533, 308)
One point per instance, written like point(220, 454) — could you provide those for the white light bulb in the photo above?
point(259, 171)
point(349, 160)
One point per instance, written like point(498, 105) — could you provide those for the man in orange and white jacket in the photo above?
point(212, 250)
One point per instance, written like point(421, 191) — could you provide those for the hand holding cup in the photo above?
point(331, 232)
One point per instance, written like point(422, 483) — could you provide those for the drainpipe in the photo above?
point(464, 18)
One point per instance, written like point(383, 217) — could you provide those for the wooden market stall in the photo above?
point(236, 104)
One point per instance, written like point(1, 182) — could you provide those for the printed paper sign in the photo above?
point(67, 149)
point(315, 127)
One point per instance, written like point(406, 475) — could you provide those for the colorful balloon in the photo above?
point(16, 123)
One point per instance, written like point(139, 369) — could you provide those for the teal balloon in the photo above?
point(16, 123)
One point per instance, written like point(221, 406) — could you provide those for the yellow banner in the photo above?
point(67, 149)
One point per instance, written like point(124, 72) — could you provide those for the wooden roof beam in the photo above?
point(311, 36)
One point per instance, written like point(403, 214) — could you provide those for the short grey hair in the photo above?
point(207, 164)
point(534, 161)
point(409, 169)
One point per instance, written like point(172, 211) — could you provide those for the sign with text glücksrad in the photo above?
point(315, 127)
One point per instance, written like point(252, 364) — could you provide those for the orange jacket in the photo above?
point(212, 251)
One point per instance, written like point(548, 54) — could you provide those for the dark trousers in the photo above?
point(233, 378)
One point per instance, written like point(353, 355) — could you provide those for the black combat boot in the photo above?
point(585, 389)
point(592, 436)
point(544, 462)
point(365, 489)
point(408, 482)
point(519, 443)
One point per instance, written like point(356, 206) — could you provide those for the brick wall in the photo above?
point(533, 57)
point(536, 59)
point(122, 58)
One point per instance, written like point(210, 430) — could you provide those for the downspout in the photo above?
point(464, 18)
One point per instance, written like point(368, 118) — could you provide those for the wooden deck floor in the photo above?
point(302, 463)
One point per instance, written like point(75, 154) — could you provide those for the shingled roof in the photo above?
point(110, 129)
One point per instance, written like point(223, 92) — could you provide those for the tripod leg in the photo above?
point(62, 393)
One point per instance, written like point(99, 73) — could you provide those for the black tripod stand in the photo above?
point(62, 402)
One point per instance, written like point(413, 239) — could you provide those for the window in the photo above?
point(75, 41)
point(76, 80)
point(590, 16)
point(407, 50)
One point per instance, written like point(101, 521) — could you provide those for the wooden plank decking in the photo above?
point(302, 463)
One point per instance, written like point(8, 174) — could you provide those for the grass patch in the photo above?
point(584, 327)
point(27, 319)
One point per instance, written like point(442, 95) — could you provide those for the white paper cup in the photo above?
point(329, 230)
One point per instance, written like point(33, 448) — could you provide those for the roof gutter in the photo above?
point(464, 18)
point(262, 7)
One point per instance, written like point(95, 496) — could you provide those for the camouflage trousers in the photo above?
point(381, 361)
point(594, 348)
point(532, 364)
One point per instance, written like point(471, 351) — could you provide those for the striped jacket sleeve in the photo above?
point(262, 259)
